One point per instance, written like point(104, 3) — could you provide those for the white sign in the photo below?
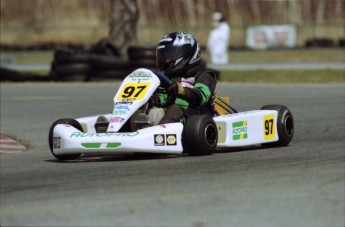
point(271, 36)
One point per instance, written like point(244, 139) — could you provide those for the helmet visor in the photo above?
point(171, 59)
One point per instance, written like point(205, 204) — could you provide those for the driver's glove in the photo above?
point(175, 89)
point(155, 100)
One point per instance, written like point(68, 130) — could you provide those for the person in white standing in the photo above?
point(218, 40)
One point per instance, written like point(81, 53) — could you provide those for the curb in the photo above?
point(10, 146)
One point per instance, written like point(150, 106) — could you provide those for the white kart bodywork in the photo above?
point(234, 130)
point(246, 128)
point(156, 139)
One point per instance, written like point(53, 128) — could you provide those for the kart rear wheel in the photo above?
point(285, 125)
point(200, 135)
point(67, 121)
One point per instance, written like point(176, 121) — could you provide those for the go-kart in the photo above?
point(125, 130)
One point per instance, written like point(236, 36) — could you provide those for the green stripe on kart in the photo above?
point(113, 145)
point(91, 145)
point(239, 124)
point(240, 136)
point(98, 145)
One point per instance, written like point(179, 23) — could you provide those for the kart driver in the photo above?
point(178, 56)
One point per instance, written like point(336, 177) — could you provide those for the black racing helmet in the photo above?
point(177, 53)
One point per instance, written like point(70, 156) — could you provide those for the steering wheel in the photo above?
point(165, 83)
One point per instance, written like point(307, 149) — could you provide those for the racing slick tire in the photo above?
point(67, 121)
point(200, 135)
point(285, 126)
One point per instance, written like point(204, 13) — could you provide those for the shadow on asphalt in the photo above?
point(148, 156)
point(116, 157)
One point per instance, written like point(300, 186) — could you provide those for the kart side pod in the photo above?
point(271, 126)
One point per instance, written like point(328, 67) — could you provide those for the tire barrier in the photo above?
point(71, 68)
point(62, 56)
point(100, 61)
point(143, 63)
point(142, 57)
point(141, 53)
point(319, 42)
point(101, 75)
point(106, 47)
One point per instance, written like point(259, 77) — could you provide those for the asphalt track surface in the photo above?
point(298, 185)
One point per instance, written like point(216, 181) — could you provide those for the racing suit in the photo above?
point(196, 97)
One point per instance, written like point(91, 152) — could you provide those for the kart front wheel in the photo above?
point(199, 136)
point(67, 121)
point(285, 125)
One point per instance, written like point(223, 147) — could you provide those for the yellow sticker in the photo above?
point(133, 92)
point(269, 128)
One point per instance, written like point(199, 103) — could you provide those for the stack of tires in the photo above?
point(105, 67)
point(101, 61)
point(142, 57)
point(70, 65)
point(319, 42)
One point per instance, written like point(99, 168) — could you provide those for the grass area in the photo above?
point(39, 72)
point(284, 76)
point(29, 57)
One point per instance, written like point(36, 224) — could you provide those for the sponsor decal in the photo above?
point(120, 112)
point(123, 103)
point(140, 74)
point(121, 107)
point(100, 145)
point(57, 142)
point(171, 139)
point(83, 135)
point(116, 120)
point(133, 91)
point(239, 130)
point(269, 132)
point(159, 139)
